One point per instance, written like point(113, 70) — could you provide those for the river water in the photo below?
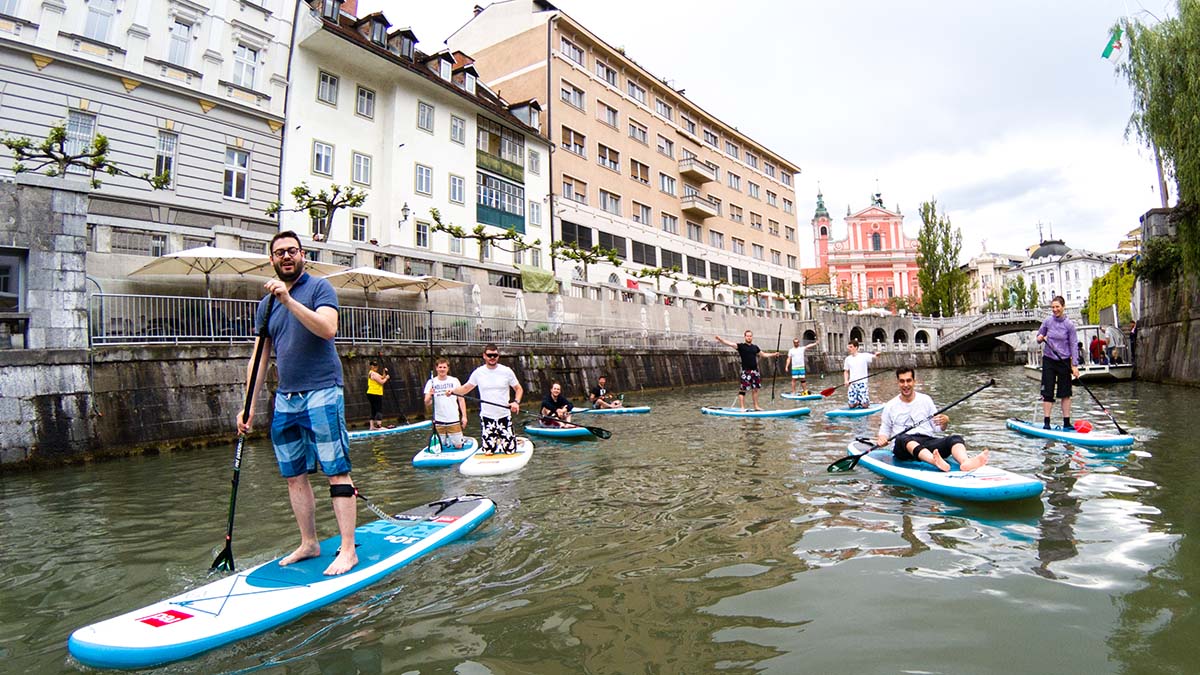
point(684, 544)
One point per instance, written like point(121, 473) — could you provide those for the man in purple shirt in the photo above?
point(1059, 366)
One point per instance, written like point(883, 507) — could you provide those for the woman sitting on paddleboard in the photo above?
point(555, 405)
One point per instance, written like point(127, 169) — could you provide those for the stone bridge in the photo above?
point(980, 333)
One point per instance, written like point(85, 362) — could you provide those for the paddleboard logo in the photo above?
point(445, 519)
point(165, 618)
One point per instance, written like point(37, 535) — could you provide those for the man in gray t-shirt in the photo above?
point(308, 427)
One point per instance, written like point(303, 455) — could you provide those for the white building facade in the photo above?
point(987, 274)
point(415, 132)
point(194, 87)
point(1060, 270)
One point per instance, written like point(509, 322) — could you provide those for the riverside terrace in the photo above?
point(123, 319)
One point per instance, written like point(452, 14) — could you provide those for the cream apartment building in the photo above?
point(637, 166)
point(414, 131)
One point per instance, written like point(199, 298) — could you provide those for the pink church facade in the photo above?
point(875, 262)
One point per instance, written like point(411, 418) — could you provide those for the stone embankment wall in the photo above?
point(150, 398)
point(1168, 334)
point(1168, 330)
point(159, 397)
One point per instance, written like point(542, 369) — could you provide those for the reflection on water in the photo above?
point(686, 543)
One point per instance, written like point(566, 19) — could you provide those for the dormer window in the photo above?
point(444, 69)
point(470, 83)
point(330, 9)
point(535, 118)
point(379, 33)
point(407, 45)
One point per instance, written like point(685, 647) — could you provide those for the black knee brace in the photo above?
point(342, 490)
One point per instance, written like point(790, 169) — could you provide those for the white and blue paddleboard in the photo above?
point(372, 433)
point(751, 412)
point(263, 597)
point(854, 412)
point(1091, 439)
point(622, 410)
point(802, 397)
point(985, 484)
point(557, 432)
point(448, 456)
point(486, 464)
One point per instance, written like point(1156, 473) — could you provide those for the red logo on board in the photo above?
point(165, 618)
point(445, 519)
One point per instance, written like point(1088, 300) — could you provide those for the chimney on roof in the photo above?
point(477, 10)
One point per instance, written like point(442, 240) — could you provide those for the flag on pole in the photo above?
point(1114, 50)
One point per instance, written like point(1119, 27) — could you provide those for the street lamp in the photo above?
point(404, 211)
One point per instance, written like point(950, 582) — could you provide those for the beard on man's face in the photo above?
point(290, 269)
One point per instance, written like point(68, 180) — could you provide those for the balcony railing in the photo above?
point(695, 169)
point(695, 205)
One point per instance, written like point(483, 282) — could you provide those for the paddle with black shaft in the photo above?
point(850, 461)
point(1089, 391)
point(830, 390)
point(595, 431)
point(775, 369)
point(224, 559)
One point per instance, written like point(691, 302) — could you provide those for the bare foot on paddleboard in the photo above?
point(975, 462)
point(342, 564)
point(303, 552)
point(939, 461)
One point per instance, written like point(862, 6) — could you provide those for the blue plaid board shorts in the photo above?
point(309, 428)
point(858, 395)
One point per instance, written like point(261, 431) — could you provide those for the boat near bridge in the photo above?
point(1116, 367)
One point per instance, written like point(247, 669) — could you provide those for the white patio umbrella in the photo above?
point(206, 260)
point(522, 313)
point(557, 317)
point(477, 305)
point(369, 279)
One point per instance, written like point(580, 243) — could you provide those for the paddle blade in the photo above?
point(599, 433)
point(224, 559)
point(846, 463)
point(827, 392)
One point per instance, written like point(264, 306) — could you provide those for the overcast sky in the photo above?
point(1002, 110)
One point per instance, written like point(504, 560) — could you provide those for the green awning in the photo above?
point(537, 280)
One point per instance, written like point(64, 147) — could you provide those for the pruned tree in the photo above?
point(506, 240)
point(586, 257)
point(658, 274)
point(53, 157)
point(322, 204)
point(710, 284)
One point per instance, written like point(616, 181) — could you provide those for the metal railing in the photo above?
point(116, 319)
point(146, 319)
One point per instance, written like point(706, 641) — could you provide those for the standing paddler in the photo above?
point(308, 428)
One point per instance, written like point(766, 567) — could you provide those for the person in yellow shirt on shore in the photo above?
point(376, 378)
